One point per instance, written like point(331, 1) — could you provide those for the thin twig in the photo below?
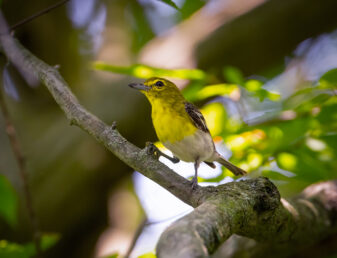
point(38, 14)
point(11, 132)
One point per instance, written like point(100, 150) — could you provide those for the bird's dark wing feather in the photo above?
point(196, 117)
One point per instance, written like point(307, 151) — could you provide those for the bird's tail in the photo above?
point(234, 169)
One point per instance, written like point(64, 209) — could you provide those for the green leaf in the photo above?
point(255, 87)
point(148, 255)
point(191, 90)
point(49, 240)
point(8, 201)
point(141, 29)
point(329, 77)
point(14, 250)
point(190, 7)
point(170, 3)
point(145, 72)
point(233, 75)
point(287, 161)
point(216, 90)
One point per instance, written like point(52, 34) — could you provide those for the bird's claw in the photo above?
point(151, 149)
point(194, 183)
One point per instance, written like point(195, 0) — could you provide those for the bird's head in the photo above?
point(157, 88)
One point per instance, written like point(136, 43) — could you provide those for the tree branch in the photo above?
point(253, 208)
point(107, 135)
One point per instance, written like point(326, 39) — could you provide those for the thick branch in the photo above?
point(253, 208)
point(133, 156)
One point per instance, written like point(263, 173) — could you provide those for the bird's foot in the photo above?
point(151, 149)
point(194, 182)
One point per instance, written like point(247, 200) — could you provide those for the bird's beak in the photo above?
point(139, 86)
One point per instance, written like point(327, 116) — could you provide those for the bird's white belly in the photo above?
point(199, 145)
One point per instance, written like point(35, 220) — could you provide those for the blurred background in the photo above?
point(264, 74)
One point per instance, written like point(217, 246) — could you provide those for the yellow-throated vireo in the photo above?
point(180, 126)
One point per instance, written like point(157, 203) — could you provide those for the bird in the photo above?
point(181, 127)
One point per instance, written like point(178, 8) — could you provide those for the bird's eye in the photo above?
point(159, 84)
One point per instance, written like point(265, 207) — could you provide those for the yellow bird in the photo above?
point(180, 126)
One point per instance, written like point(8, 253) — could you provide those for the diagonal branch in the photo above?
point(107, 135)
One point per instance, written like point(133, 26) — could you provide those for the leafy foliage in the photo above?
point(296, 144)
point(145, 72)
point(14, 250)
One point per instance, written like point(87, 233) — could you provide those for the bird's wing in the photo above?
point(196, 117)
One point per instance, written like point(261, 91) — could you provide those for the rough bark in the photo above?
point(253, 209)
point(249, 208)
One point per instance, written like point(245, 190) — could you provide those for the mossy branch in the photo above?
point(253, 208)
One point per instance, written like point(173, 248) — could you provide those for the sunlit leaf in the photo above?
point(254, 160)
point(213, 179)
point(287, 161)
point(262, 94)
point(239, 142)
point(273, 96)
point(8, 201)
point(148, 255)
point(170, 3)
point(253, 85)
point(145, 72)
point(216, 90)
